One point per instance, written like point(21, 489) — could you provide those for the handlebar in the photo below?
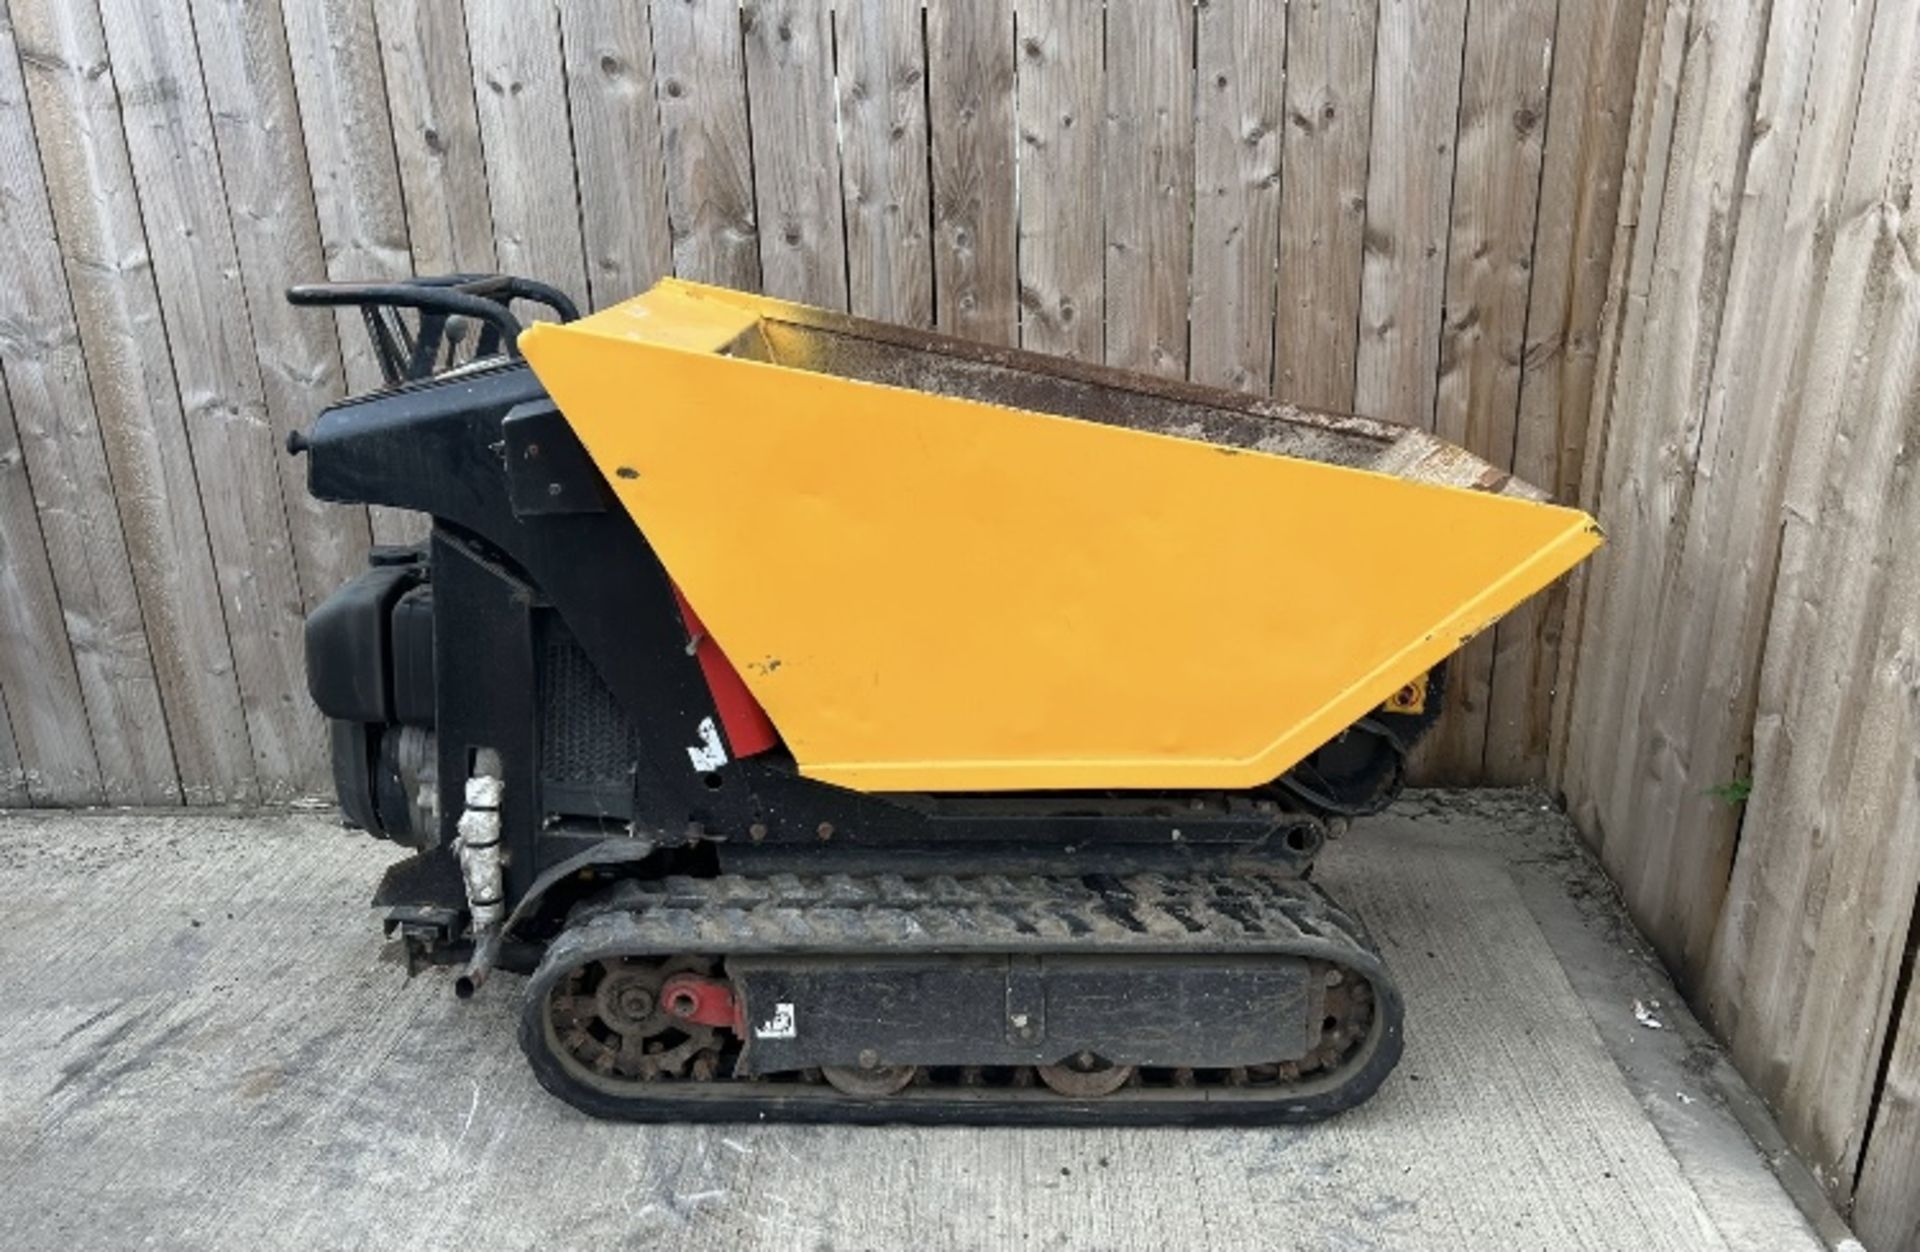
point(482, 298)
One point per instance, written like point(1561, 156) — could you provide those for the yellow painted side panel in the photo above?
point(929, 593)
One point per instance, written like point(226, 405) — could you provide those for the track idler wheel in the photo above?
point(870, 1081)
point(1085, 1077)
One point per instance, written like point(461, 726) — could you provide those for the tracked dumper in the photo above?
point(843, 722)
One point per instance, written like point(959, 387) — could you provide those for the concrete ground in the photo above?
point(201, 1046)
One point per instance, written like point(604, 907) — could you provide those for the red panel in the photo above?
point(748, 728)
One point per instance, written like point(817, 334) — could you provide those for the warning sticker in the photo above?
point(779, 1026)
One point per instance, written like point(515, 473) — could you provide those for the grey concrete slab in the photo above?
point(201, 1046)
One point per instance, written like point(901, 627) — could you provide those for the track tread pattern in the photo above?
point(1232, 916)
point(847, 913)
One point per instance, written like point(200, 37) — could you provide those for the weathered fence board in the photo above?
point(83, 152)
point(1745, 714)
point(52, 407)
point(796, 161)
point(436, 134)
point(1416, 101)
point(337, 72)
point(1062, 239)
point(521, 96)
point(880, 64)
point(51, 753)
point(1824, 886)
point(1239, 89)
point(1507, 66)
point(1885, 1211)
point(1148, 189)
point(616, 148)
point(1581, 180)
point(13, 776)
point(196, 271)
point(970, 91)
point(1323, 199)
point(1656, 92)
point(249, 80)
point(1701, 690)
point(1659, 404)
point(700, 82)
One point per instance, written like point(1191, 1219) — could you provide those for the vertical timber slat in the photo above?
point(83, 149)
point(1588, 123)
point(1059, 111)
point(1886, 1207)
point(970, 87)
point(436, 135)
point(13, 778)
point(1700, 696)
point(349, 138)
point(616, 148)
point(1148, 192)
point(1810, 940)
point(60, 441)
point(1657, 406)
point(881, 66)
point(1416, 100)
point(796, 160)
point(700, 82)
point(521, 98)
point(1239, 93)
point(47, 727)
point(249, 80)
point(1505, 73)
point(1656, 98)
point(1665, 389)
point(203, 306)
point(1323, 200)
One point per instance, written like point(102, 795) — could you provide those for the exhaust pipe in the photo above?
point(477, 844)
point(486, 950)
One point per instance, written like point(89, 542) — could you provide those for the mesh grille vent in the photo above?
point(586, 735)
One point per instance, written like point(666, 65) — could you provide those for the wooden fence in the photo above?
point(1740, 732)
point(1402, 207)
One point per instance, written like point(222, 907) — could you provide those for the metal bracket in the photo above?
point(1411, 699)
point(1026, 1001)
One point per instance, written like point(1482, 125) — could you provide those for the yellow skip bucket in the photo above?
point(941, 566)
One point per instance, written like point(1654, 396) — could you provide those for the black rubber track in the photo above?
point(860, 914)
